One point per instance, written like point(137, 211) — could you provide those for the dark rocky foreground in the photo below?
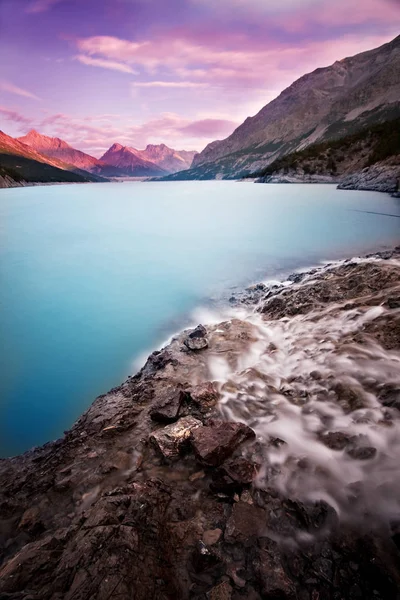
point(175, 485)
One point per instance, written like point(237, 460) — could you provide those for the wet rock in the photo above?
point(204, 558)
point(390, 397)
point(171, 440)
point(336, 440)
point(222, 591)
point(196, 339)
point(271, 576)
point(241, 471)
point(216, 442)
point(245, 522)
point(167, 405)
point(211, 536)
point(31, 521)
point(158, 360)
point(233, 476)
point(204, 395)
point(361, 453)
point(393, 302)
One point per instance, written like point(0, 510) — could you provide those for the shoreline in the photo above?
point(351, 184)
point(229, 305)
point(150, 494)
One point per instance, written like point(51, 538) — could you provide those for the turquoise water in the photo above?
point(92, 276)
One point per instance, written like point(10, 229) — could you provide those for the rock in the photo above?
point(166, 407)
point(222, 591)
point(196, 340)
point(31, 521)
point(273, 580)
point(157, 361)
point(204, 395)
point(222, 483)
point(204, 559)
point(361, 452)
point(241, 470)
point(336, 440)
point(211, 536)
point(378, 177)
point(245, 522)
point(233, 476)
point(200, 400)
point(391, 397)
point(214, 443)
point(171, 440)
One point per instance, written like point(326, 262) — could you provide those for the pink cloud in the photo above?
point(6, 86)
point(104, 63)
point(210, 128)
point(38, 6)
point(186, 63)
point(168, 84)
point(14, 116)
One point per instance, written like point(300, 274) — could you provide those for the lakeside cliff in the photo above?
point(255, 458)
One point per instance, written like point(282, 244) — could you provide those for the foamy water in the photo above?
point(285, 387)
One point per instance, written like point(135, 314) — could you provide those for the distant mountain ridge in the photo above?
point(54, 147)
point(21, 164)
point(168, 159)
point(329, 103)
point(122, 160)
point(118, 161)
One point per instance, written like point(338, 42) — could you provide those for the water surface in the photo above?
point(92, 276)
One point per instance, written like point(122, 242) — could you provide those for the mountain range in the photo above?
point(39, 158)
point(332, 103)
point(20, 164)
point(327, 104)
point(118, 161)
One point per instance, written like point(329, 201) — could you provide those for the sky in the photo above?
point(179, 72)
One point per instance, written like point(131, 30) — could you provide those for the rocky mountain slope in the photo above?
point(328, 103)
point(117, 161)
point(154, 160)
point(57, 148)
point(256, 459)
point(123, 160)
point(166, 158)
point(368, 159)
point(21, 164)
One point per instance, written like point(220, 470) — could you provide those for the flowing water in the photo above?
point(94, 276)
point(313, 383)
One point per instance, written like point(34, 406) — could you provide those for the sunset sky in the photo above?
point(182, 72)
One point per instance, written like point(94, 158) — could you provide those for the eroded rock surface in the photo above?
point(265, 466)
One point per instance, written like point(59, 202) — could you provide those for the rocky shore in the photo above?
point(381, 177)
point(256, 458)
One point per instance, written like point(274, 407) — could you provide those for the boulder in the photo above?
point(241, 470)
point(166, 407)
point(222, 591)
point(196, 339)
point(335, 440)
point(171, 440)
point(31, 521)
point(245, 522)
point(211, 536)
point(217, 441)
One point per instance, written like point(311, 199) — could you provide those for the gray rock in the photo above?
point(196, 339)
point(166, 407)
